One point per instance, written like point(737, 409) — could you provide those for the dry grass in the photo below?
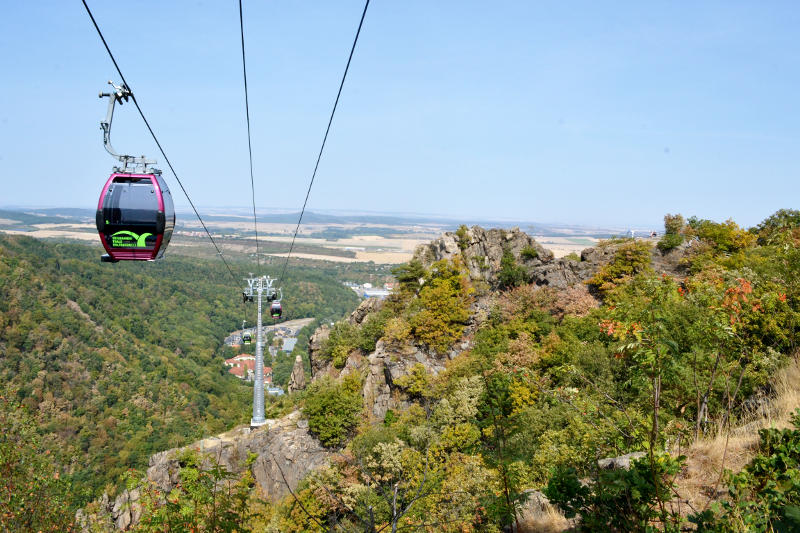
point(701, 481)
point(550, 520)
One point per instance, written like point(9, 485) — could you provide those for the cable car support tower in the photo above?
point(258, 288)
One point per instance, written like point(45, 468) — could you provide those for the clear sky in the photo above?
point(573, 112)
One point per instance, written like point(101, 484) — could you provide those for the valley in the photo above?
point(490, 355)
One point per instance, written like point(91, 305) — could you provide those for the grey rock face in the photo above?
point(370, 305)
point(286, 453)
point(126, 510)
point(387, 364)
point(623, 461)
point(315, 343)
point(286, 456)
point(482, 251)
point(561, 273)
point(297, 381)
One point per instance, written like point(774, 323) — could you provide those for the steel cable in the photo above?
point(324, 139)
point(249, 143)
point(152, 133)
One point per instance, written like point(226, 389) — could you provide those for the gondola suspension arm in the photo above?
point(121, 93)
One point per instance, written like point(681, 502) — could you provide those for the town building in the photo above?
point(243, 366)
point(288, 344)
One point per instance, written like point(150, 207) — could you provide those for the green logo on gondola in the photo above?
point(129, 239)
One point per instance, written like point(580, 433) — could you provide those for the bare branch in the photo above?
point(296, 499)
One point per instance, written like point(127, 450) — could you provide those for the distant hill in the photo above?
point(41, 217)
point(216, 215)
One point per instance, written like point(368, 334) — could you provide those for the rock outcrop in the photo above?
point(286, 453)
point(388, 362)
point(482, 253)
point(623, 461)
point(370, 305)
point(297, 381)
point(315, 344)
point(385, 365)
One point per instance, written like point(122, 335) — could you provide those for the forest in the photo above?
point(111, 363)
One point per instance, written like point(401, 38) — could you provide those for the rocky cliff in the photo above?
point(482, 252)
point(286, 453)
point(390, 361)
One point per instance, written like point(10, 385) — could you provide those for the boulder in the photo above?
point(285, 456)
point(623, 461)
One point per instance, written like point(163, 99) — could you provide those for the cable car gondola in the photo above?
point(275, 310)
point(246, 337)
point(135, 214)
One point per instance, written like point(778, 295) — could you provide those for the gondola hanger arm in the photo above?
point(121, 94)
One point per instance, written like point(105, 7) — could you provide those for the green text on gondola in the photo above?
point(129, 239)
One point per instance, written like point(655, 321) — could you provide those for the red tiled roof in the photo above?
point(237, 371)
point(239, 367)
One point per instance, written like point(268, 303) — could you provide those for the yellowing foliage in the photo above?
point(631, 258)
point(443, 307)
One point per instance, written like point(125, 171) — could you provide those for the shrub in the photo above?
point(619, 499)
point(397, 330)
point(511, 274)
point(463, 240)
point(443, 307)
point(670, 241)
point(208, 498)
point(781, 227)
point(726, 237)
point(416, 382)
point(529, 252)
point(575, 300)
point(333, 409)
point(371, 330)
point(631, 258)
point(343, 339)
point(522, 302)
point(409, 275)
point(572, 256)
point(673, 224)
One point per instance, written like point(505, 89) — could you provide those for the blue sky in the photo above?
point(570, 112)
